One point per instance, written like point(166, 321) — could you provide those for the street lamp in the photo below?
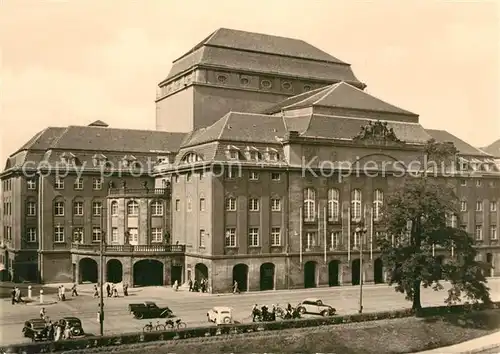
point(101, 291)
point(359, 232)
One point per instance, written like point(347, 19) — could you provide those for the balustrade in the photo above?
point(130, 248)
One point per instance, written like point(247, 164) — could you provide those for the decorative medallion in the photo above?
point(266, 84)
point(244, 81)
point(377, 131)
point(307, 88)
point(222, 79)
point(286, 86)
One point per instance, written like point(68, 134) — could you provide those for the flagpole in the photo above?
point(300, 234)
point(371, 235)
point(324, 225)
point(349, 234)
point(319, 221)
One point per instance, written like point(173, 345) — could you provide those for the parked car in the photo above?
point(220, 315)
point(36, 330)
point(149, 309)
point(315, 307)
point(75, 326)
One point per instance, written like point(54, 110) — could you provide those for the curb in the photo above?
point(482, 349)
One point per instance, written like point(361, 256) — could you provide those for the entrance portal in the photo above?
point(114, 271)
point(88, 270)
point(333, 273)
point(378, 271)
point(200, 272)
point(148, 272)
point(267, 276)
point(355, 268)
point(310, 275)
point(240, 275)
point(176, 274)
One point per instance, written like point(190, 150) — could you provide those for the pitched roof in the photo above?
point(344, 95)
point(94, 138)
point(463, 147)
point(493, 149)
point(98, 123)
point(239, 50)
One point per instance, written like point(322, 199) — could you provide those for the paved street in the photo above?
point(192, 307)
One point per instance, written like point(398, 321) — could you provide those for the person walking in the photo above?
point(73, 290)
point(96, 291)
point(236, 290)
point(43, 313)
point(108, 289)
point(125, 289)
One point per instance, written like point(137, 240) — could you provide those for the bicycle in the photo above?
point(178, 324)
point(150, 327)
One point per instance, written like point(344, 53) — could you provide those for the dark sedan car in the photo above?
point(36, 330)
point(74, 324)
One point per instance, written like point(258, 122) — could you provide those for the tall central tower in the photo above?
point(233, 70)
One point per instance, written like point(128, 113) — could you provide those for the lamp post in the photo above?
point(101, 291)
point(360, 231)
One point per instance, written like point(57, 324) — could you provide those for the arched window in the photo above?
point(333, 204)
point(157, 208)
point(378, 202)
point(309, 204)
point(133, 208)
point(114, 208)
point(356, 204)
point(59, 208)
point(191, 157)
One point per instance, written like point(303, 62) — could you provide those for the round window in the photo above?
point(266, 83)
point(244, 81)
point(307, 88)
point(286, 86)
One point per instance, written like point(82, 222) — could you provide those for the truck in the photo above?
point(149, 309)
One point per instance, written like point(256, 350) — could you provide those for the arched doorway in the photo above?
point(114, 271)
point(333, 273)
point(148, 272)
point(378, 271)
point(310, 274)
point(355, 269)
point(88, 270)
point(240, 275)
point(200, 272)
point(439, 267)
point(267, 276)
point(489, 261)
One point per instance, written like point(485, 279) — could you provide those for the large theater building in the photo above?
point(268, 155)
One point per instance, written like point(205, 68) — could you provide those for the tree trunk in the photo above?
point(417, 305)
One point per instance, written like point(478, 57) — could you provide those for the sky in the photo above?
point(75, 61)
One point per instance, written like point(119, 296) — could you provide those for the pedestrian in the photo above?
point(190, 285)
point(115, 291)
point(58, 334)
point(13, 296)
point(176, 285)
point(18, 295)
point(43, 313)
point(63, 293)
point(67, 332)
point(255, 312)
point(236, 290)
point(108, 289)
point(125, 289)
point(96, 291)
point(73, 290)
point(50, 331)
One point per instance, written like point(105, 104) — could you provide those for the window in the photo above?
point(254, 176)
point(233, 154)
point(333, 204)
point(31, 209)
point(133, 208)
point(335, 239)
point(96, 234)
point(253, 237)
point(59, 208)
point(188, 177)
point(309, 204)
point(493, 206)
point(255, 155)
point(378, 202)
point(31, 235)
point(478, 183)
point(275, 236)
point(493, 183)
point(202, 238)
point(96, 208)
point(59, 234)
point(230, 237)
point(114, 208)
point(479, 206)
point(253, 204)
point(133, 236)
point(463, 182)
point(356, 204)
point(78, 234)
point(114, 235)
point(97, 183)
point(275, 176)
point(157, 208)
point(189, 204)
point(229, 173)
point(310, 240)
point(493, 232)
point(78, 208)
point(274, 156)
point(276, 204)
point(463, 205)
point(31, 184)
point(59, 184)
point(479, 232)
point(356, 239)
point(230, 204)
point(78, 185)
point(156, 234)
point(177, 205)
point(202, 204)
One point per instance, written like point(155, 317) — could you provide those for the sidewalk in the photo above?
point(477, 345)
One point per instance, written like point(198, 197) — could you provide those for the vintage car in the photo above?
point(36, 330)
point(149, 309)
point(315, 307)
point(74, 324)
point(220, 315)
